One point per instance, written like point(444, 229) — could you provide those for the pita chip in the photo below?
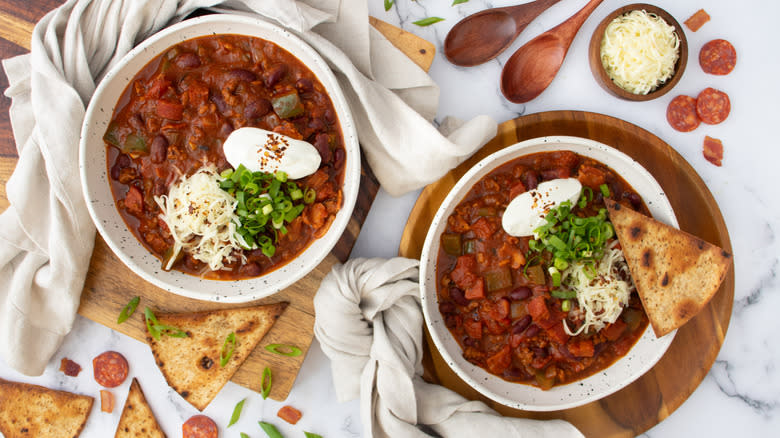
point(34, 411)
point(676, 274)
point(137, 418)
point(191, 364)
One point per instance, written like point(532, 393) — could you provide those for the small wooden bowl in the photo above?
point(601, 74)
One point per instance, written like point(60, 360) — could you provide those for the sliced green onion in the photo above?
point(309, 196)
point(265, 383)
point(311, 435)
point(555, 275)
point(150, 323)
point(427, 21)
point(270, 430)
point(389, 4)
point(561, 264)
point(128, 310)
point(563, 294)
point(236, 413)
point(243, 435)
point(604, 190)
point(156, 329)
point(275, 348)
point(457, 2)
point(565, 306)
point(227, 349)
point(281, 176)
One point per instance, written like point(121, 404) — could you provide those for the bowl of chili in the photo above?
point(515, 338)
point(152, 137)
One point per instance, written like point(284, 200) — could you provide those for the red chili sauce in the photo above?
point(500, 311)
point(178, 110)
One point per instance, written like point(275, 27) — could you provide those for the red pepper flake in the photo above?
point(69, 367)
point(106, 401)
point(713, 150)
point(289, 414)
point(697, 20)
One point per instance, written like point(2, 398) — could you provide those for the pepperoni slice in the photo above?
point(697, 20)
point(289, 414)
point(713, 150)
point(199, 426)
point(681, 113)
point(712, 106)
point(110, 369)
point(718, 57)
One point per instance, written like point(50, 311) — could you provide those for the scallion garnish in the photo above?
point(292, 351)
point(428, 21)
point(227, 349)
point(266, 202)
point(236, 413)
point(265, 383)
point(128, 310)
point(243, 435)
point(156, 329)
point(270, 430)
point(604, 190)
point(311, 435)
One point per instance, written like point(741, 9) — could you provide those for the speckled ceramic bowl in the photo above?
point(100, 201)
point(647, 351)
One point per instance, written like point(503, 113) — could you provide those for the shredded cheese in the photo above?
point(601, 294)
point(201, 218)
point(639, 51)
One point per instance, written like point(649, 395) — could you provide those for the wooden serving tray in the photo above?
point(655, 395)
point(110, 284)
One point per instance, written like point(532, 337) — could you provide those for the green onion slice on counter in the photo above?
point(270, 430)
point(227, 349)
point(265, 383)
point(236, 413)
point(291, 351)
point(128, 310)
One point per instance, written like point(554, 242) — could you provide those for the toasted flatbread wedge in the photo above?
point(137, 417)
point(191, 364)
point(34, 411)
point(676, 274)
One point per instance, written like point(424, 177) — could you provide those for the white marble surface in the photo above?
point(741, 394)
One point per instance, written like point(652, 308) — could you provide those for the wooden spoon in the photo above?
point(480, 37)
point(532, 68)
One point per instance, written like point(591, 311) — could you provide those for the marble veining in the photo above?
point(740, 396)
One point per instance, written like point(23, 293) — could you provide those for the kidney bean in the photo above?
point(539, 352)
point(123, 160)
point(159, 149)
point(451, 321)
point(520, 293)
point(115, 169)
point(532, 331)
point(446, 307)
point(520, 325)
point(257, 108)
point(330, 116)
point(338, 159)
point(304, 85)
point(530, 180)
point(250, 270)
point(275, 74)
point(187, 60)
point(470, 342)
point(225, 129)
point(316, 125)
point(219, 101)
point(322, 143)
point(458, 296)
point(242, 75)
point(635, 200)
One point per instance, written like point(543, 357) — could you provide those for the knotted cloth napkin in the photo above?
point(369, 323)
point(46, 235)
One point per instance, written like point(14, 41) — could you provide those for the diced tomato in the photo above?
point(289, 414)
point(106, 401)
point(476, 291)
point(581, 348)
point(483, 228)
point(317, 179)
point(538, 310)
point(497, 326)
point(591, 176)
point(557, 333)
point(159, 86)
point(614, 330)
point(134, 201)
point(170, 110)
point(464, 274)
point(473, 328)
point(516, 189)
point(198, 94)
point(499, 361)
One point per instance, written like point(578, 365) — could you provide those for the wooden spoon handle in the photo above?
point(528, 12)
point(569, 28)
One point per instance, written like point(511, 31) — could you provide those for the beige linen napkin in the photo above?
point(46, 235)
point(369, 323)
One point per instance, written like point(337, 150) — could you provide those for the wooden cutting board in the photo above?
point(110, 284)
point(655, 395)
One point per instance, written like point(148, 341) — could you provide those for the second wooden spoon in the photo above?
point(532, 68)
point(480, 37)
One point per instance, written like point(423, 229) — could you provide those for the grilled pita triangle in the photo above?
point(191, 364)
point(137, 417)
point(34, 411)
point(676, 274)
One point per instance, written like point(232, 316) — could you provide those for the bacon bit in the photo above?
point(69, 367)
point(713, 150)
point(106, 401)
point(697, 20)
point(289, 414)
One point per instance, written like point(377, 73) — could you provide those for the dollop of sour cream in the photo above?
point(265, 151)
point(526, 212)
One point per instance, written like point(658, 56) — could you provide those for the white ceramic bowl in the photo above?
point(647, 351)
point(94, 169)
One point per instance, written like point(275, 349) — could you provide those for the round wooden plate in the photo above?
point(655, 395)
